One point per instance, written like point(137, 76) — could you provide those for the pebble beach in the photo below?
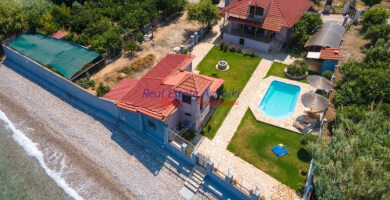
point(92, 157)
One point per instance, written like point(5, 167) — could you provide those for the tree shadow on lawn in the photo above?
point(303, 155)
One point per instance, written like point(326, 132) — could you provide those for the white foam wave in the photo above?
point(32, 150)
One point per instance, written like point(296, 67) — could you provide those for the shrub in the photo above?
point(353, 112)
point(215, 1)
point(232, 48)
point(373, 17)
point(308, 137)
point(189, 151)
point(189, 135)
point(186, 51)
point(142, 63)
point(304, 28)
point(252, 53)
point(223, 45)
point(243, 52)
point(327, 74)
point(131, 47)
point(102, 89)
point(86, 82)
point(140, 37)
point(297, 68)
point(374, 33)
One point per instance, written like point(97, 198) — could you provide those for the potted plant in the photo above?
point(297, 70)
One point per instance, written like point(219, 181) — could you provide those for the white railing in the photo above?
point(204, 112)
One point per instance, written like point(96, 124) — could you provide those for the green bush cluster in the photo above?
point(304, 28)
point(131, 47)
point(327, 74)
point(232, 48)
point(252, 54)
point(374, 33)
point(297, 68)
point(223, 45)
point(308, 137)
point(373, 17)
point(244, 52)
point(100, 23)
point(188, 135)
point(86, 82)
point(367, 81)
point(102, 89)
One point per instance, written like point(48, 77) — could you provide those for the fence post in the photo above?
point(183, 148)
point(192, 41)
point(357, 16)
point(195, 156)
point(255, 194)
point(345, 20)
point(346, 8)
point(229, 178)
point(196, 39)
point(182, 49)
point(210, 166)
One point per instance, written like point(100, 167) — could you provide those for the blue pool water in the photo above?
point(279, 101)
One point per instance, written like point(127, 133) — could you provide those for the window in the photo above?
point(254, 10)
point(188, 114)
point(151, 124)
point(186, 99)
point(242, 41)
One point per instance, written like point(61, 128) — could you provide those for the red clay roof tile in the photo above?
point(281, 13)
point(330, 54)
point(153, 94)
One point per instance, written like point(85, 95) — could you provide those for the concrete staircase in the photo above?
point(276, 46)
point(195, 179)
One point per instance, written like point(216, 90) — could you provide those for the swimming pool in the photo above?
point(279, 101)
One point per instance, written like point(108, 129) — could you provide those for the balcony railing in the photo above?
point(242, 33)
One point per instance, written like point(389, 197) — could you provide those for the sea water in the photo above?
point(23, 172)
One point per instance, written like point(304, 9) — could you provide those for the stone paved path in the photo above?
point(225, 160)
point(201, 50)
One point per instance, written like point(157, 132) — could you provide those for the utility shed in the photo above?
point(329, 35)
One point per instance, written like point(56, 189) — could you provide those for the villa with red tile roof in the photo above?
point(262, 24)
point(167, 97)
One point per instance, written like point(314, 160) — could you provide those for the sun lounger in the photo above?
point(305, 119)
point(305, 123)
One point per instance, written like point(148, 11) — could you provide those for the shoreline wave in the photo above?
point(32, 150)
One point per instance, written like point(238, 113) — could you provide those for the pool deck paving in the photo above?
point(299, 107)
point(246, 174)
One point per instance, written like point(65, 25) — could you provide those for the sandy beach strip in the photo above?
point(96, 159)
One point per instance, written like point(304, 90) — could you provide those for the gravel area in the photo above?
point(113, 152)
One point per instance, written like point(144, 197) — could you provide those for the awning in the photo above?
point(313, 55)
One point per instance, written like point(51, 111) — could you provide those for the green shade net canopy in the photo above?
point(66, 58)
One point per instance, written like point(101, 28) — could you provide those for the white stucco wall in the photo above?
point(173, 120)
point(283, 34)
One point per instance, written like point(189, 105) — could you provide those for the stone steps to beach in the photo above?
point(193, 182)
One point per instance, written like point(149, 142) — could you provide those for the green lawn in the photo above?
point(253, 142)
point(277, 69)
point(240, 70)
